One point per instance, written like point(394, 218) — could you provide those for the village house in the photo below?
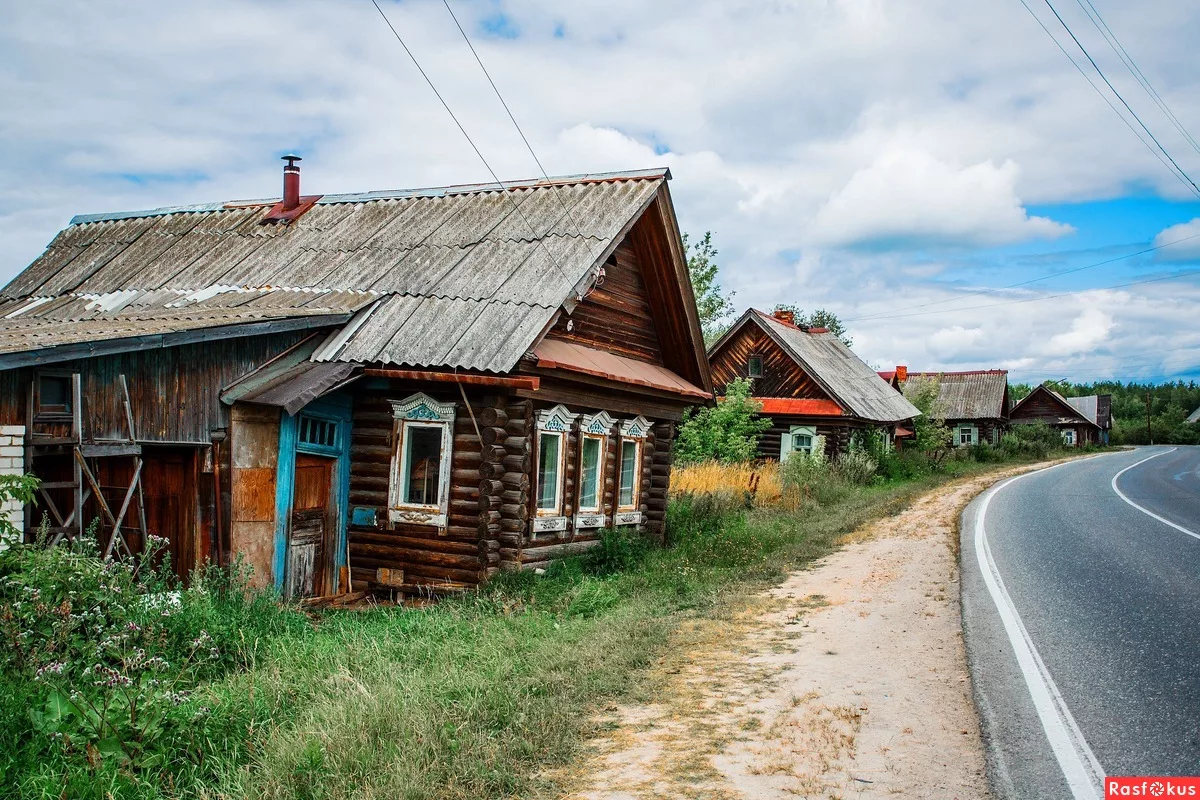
point(400, 389)
point(810, 384)
point(1081, 420)
point(974, 403)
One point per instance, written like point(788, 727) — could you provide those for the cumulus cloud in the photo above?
point(1187, 237)
point(911, 195)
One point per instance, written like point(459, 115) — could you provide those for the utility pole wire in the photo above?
point(1112, 88)
point(503, 190)
point(1182, 179)
point(884, 315)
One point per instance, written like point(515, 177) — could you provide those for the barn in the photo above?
point(401, 389)
point(810, 384)
point(1081, 420)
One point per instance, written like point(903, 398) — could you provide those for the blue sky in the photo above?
point(886, 160)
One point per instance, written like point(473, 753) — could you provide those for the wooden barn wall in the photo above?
point(254, 459)
point(468, 549)
point(781, 376)
point(989, 428)
point(837, 433)
point(174, 391)
point(615, 316)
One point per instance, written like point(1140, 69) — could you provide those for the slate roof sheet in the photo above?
point(978, 394)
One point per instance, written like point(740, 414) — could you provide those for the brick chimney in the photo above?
point(291, 183)
point(901, 373)
point(784, 315)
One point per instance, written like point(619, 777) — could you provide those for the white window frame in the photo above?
point(1068, 435)
point(598, 427)
point(420, 411)
point(972, 435)
point(632, 432)
point(786, 440)
point(556, 422)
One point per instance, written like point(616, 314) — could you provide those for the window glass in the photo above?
point(423, 457)
point(54, 394)
point(589, 483)
point(754, 367)
point(549, 448)
point(802, 442)
point(629, 452)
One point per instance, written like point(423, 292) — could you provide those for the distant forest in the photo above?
point(1170, 405)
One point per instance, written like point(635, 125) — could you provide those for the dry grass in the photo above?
point(761, 481)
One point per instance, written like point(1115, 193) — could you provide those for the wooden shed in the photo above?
point(810, 384)
point(974, 403)
point(404, 389)
point(1078, 427)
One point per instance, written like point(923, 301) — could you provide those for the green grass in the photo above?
point(481, 696)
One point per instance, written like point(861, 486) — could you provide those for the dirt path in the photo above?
point(848, 680)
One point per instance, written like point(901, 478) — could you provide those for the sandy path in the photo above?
point(848, 680)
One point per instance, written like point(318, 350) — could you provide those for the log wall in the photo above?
point(781, 377)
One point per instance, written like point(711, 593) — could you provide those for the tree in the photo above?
point(931, 435)
point(728, 433)
point(713, 304)
point(820, 318)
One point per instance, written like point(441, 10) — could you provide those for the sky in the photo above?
point(923, 168)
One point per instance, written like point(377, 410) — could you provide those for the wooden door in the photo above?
point(169, 492)
point(309, 531)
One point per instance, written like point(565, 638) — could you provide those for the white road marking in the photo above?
point(1082, 771)
point(1142, 509)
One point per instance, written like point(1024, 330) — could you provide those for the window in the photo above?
point(798, 439)
point(419, 487)
point(1068, 435)
point(754, 367)
point(317, 434)
point(627, 483)
point(591, 466)
point(967, 435)
point(553, 426)
point(54, 395)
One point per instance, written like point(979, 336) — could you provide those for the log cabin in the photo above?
point(974, 403)
point(811, 386)
point(1081, 425)
point(398, 389)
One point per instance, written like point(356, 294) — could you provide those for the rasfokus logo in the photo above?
point(1152, 787)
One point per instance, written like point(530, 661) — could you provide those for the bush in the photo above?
point(620, 549)
point(856, 466)
point(728, 432)
point(811, 479)
point(1037, 439)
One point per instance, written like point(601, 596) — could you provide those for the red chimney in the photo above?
point(785, 315)
point(291, 183)
point(901, 373)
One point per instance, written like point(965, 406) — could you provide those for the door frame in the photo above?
point(337, 408)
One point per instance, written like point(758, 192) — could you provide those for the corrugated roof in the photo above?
point(976, 394)
point(1086, 406)
point(800, 406)
point(1194, 417)
point(557, 354)
point(459, 276)
point(826, 358)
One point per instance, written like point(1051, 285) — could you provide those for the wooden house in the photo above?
point(404, 389)
point(974, 403)
point(810, 384)
point(1082, 421)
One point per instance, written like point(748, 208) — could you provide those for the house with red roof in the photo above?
point(810, 384)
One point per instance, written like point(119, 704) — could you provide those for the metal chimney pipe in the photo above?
point(291, 183)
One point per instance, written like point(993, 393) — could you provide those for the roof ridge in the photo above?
point(387, 194)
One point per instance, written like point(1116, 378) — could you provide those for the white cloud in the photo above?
point(1087, 331)
point(1187, 234)
point(911, 195)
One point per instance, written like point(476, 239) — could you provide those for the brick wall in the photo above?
point(12, 462)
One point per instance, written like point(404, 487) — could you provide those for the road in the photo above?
point(1082, 619)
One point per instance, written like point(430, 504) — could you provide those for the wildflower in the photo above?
point(53, 668)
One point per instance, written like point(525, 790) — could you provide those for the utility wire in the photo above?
point(503, 189)
point(1113, 89)
point(516, 125)
point(1025, 283)
point(1181, 178)
point(1094, 15)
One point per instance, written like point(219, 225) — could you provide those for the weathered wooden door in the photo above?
point(309, 531)
point(169, 489)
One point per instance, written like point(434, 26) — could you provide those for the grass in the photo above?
point(488, 695)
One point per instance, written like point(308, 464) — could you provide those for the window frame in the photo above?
point(972, 435)
point(313, 448)
point(556, 421)
point(787, 440)
point(1069, 437)
point(597, 506)
point(597, 427)
point(420, 411)
point(632, 431)
point(56, 413)
point(635, 493)
point(750, 359)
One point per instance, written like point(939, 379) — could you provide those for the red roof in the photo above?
point(557, 354)
point(799, 406)
point(887, 376)
point(962, 372)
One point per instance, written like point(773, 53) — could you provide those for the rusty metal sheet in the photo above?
point(557, 354)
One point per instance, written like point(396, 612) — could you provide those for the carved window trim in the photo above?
point(556, 422)
point(414, 412)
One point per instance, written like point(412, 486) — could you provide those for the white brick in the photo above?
point(12, 430)
point(15, 452)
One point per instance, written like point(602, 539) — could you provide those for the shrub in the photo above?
point(620, 549)
point(1037, 439)
point(930, 433)
point(728, 432)
point(856, 466)
point(811, 479)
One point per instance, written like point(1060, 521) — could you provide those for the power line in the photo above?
point(1181, 178)
point(503, 190)
point(516, 125)
point(1109, 36)
point(1113, 89)
point(1027, 282)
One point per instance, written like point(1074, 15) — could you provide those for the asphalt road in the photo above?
point(1082, 619)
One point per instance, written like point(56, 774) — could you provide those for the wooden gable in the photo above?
point(1042, 405)
point(782, 376)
